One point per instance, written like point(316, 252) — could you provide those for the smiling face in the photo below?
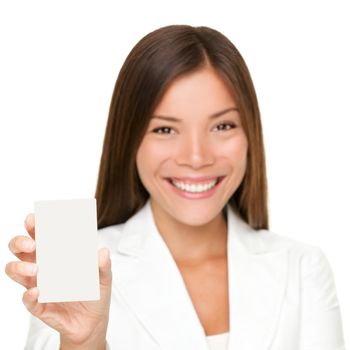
point(194, 153)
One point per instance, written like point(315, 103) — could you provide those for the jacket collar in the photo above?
point(151, 283)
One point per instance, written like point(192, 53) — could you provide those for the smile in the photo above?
point(195, 186)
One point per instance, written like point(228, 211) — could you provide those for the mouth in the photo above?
point(199, 185)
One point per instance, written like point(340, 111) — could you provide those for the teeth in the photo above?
point(195, 188)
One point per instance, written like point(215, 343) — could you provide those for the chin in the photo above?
point(195, 217)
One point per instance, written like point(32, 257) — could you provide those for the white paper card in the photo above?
point(67, 250)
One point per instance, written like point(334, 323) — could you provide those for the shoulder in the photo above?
point(266, 241)
point(276, 241)
point(109, 236)
point(306, 256)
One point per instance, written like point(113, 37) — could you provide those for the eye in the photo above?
point(225, 126)
point(162, 130)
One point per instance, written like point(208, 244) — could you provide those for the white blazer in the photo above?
point(282, 294)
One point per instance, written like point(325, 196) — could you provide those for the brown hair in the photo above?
point(154, 62)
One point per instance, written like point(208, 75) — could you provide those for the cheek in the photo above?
point(149, 158)
point(237, 150)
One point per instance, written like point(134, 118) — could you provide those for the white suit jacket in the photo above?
point(282, 294)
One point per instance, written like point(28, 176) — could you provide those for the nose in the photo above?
point(194, 151)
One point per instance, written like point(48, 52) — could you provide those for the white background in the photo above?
point(59, 63)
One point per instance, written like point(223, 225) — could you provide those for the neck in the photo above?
point(192, 244)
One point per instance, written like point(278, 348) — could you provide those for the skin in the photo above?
point(194, 230)
point(194, 146)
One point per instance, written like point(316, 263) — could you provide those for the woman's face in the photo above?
point(193, 155)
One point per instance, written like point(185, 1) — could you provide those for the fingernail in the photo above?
point(33, 291)
point(28, 245)
point(31, 269)
point(25, 220)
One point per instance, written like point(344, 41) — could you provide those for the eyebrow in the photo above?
point(212, 116)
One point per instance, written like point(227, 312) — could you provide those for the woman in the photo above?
point(182, 209)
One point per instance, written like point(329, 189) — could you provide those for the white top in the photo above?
point(218, 341)
point(148, 287)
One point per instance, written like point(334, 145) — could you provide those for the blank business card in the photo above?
point(67, 250)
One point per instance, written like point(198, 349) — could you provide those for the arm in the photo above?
point(321, 326)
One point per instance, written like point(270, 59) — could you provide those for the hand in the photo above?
point(80, 324)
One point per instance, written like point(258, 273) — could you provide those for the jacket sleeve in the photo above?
point(321, 325)
point(41, 336)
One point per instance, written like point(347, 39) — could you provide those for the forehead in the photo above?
point(197, 93)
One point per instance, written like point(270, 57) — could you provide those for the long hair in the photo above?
point(151, 66)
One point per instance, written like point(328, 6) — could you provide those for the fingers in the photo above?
point(30, 300)
point(29, 224)
point(104, 263)
point(23, 248)
point(21, 244)
point(22, 272)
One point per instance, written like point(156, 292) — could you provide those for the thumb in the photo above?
point(104, 264)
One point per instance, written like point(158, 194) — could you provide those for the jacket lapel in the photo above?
point(257, 284)
point(149, 280)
